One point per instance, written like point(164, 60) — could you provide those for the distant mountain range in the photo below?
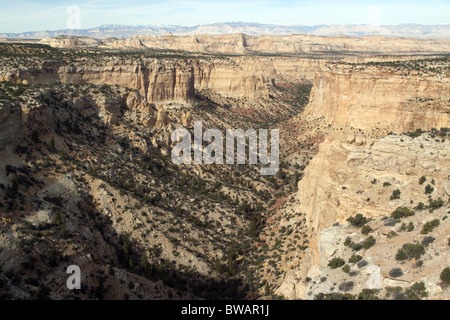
point(126, 31)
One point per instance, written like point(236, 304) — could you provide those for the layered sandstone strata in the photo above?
point(242, 43)
point(371, 98)
point(355, 175)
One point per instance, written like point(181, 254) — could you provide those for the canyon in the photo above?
point(86, 175)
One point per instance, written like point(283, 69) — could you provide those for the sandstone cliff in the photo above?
point(242, 43)
point(171, 80)
point(356, 175)
point(379, 98)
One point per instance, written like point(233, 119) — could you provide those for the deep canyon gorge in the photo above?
point(86, 176)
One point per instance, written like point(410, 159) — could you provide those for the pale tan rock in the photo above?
point(372, 99)
point(242, 43)
point(337, 184)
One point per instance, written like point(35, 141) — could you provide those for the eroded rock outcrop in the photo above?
point(346, 178)
point(377, 98)
point(242, 43)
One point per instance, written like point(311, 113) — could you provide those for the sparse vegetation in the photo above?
point(366, 229)
point(369, 242)
point(355, 258)
point(358, 221)
point(395, 194)
point(429, 189)
point(445, 276)
point(416, 291)
point(422, 180)
point(136, 211)
point(402, 212)
point(429, 226)
point(410, 251)
point(346, 268)
point(435, 204)
point(368, 294)
point(336, 263)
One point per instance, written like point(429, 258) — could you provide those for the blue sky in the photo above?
point(27, 15)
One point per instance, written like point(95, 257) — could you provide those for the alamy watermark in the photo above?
point(214, 152)
point(374, 18)
point(74, 281)
point(374, 281)
point(74, 20)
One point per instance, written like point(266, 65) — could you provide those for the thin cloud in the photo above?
point(21, 16)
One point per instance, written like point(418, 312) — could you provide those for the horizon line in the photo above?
point(233, 22)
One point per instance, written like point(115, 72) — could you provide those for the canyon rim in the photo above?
point(344, 194)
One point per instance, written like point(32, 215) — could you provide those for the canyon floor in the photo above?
point(357, 210)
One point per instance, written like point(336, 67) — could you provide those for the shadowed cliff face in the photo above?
point(84, 181)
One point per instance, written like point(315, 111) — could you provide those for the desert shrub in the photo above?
point(334, 296)
point(409, 251)
point(395, 292)
point(422, 179)
point(414, 134)
point(429, 189)
point(416, 291)
point(435, 204)
point(429, 226)
point(427, 240)
point(346, 268)
point(358, 221)
point(366, 229)
point(348, 242)
point(336, 263)
point(386, 184)
point(414, 250)
point(368, 294)
point(392, 234)
point(402, 212)
point(369, 242)
point(445, 275)
point(354, 258)
point(395, 194)
point(401, 255)
point(346, 286)
point(395, 272)
point(356, 246)
point(420, 206)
